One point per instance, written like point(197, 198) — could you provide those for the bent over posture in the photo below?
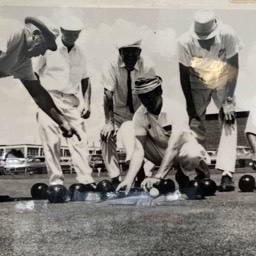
point(208, 63)
point(164, 138)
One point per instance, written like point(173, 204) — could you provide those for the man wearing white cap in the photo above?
point(208, 63)
point(163, 137)
point(64, 74)
point(16, 50)
point(119, 102)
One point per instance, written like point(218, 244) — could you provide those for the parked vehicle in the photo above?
point(243, 156)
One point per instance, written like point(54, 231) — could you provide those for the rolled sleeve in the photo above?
point(108, 79)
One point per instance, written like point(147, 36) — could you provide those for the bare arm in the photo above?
point(233, 74)
point(227, 111)
point(86, 91)
point(186, 88)
point(135, 164)
point(43, 99)
point(109, 115)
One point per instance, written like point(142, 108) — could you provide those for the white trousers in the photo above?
point(226, 156)
point(51, 139)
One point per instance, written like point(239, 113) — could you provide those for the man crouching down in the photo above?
point(164, 138)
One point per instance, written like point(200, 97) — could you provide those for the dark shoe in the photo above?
point(181, 179)
point(203, 171)
point(115, 182)
point(226, 184)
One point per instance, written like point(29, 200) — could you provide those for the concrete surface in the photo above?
point(223, 225)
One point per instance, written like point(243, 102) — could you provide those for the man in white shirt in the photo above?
point(119, 102)
point(163, 137)
point(17, 47)
point(208, 63)
point(63, 73)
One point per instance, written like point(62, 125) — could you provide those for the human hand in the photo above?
point(194, 116)
point(148, 183)
point(107, 130)
point(68, 131)
point(86, 112)
point(227, 112)
point(124, 185)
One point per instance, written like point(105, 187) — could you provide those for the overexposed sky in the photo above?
point(104, 29)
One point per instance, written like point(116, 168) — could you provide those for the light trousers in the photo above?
point(51, 139)
point(226, 155)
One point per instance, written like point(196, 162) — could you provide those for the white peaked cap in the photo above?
point(71, 23)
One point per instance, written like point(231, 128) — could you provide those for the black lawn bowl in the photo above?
point(165, 186)
point(38, 191)
point(57, 194)
point(210, 187)
point(246, 183)
point(77, 192)
point(195, 190)
point(105, 187)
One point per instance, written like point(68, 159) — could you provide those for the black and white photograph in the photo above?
point(127, 128)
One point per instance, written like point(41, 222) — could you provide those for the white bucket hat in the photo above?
point(205, 26)
point(72, 23)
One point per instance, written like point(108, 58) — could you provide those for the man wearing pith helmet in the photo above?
point(208, 64)
point(119, 103)
point(64, 74)
point(17, 47)
point(164, 138)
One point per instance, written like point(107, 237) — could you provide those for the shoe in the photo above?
point(202, 171)
point(226, 184)
point(181, 179)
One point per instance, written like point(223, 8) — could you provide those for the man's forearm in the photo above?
point(233, 69)
point(108, 107)
point(43, 99)
point(136, 161)
point(86, 90)
point(186, 88)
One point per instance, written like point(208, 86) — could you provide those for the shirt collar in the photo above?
point(216, 41)
point(60, 45)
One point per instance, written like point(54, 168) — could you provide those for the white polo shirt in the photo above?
point(209, 69)
point(114, 79)
point(62, 70)
point(13, 62)
point(172, 119)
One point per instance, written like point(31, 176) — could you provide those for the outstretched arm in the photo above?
point(45, 102)
point(135, 164)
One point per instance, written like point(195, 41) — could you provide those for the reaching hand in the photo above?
point(148, 183)
point(124, 185)
point(107, 130)
point(85, 114)
point(68, 131)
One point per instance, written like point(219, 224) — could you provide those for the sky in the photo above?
point(104, 29)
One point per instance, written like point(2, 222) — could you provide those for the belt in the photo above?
point(61, 94)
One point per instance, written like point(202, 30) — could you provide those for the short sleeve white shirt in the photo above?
point(173, 118)
point(209, 67)
point(114, 79)
point(13, 61)
point(62, 70)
